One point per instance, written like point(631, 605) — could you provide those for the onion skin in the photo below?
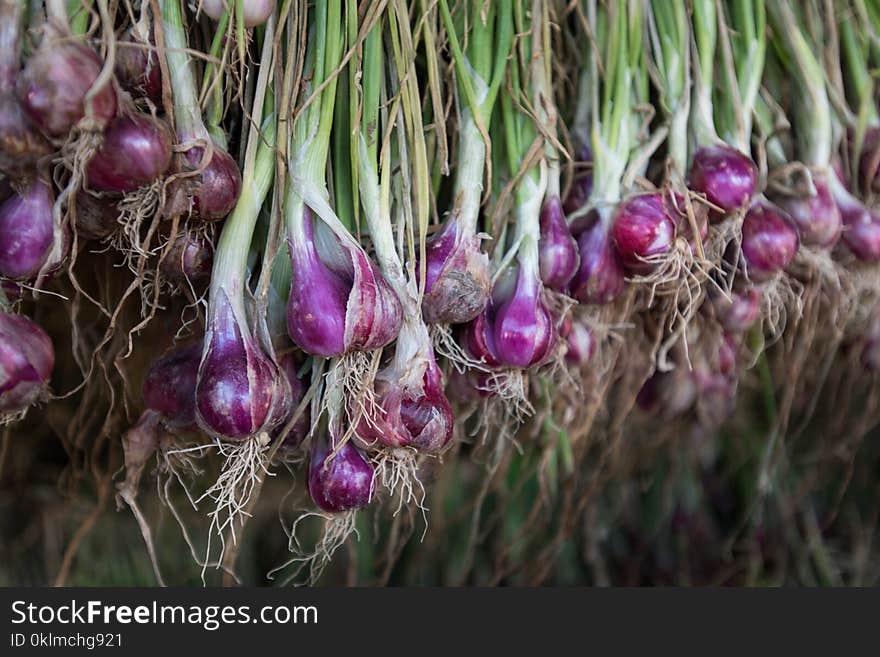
point(137, 68)
point(642, 231)
point(726, 176)
point(523, 331)
point(341, 305)
point(861, 233)
point(239, 391)
point(740, 312)
point(53, 86)
point(479, 340)
point(580, 344)
point(558, 252)
point(190, 258)
point(769, 240)
point(298, 432)
point(170, 386)
point(26, 363)
point(26, 231)
point(600, 277)
point(816, 217)
point(342, 483)
point(457, 281)
point(135, 153)
point(209, 195)
point(96, 217)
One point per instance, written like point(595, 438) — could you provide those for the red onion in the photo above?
point(53, 87)
point(861, 227)
point(600, 277)
point(642, 232)
point(26, 231)
point(170, 386)
point(739, 312)
point(342, 482)
point(580, 344)
point(190, 259)
point(136, 152)
point(339, 301)
point(816, 217)
point(726, 176)
point(769, 240)
point(240, 391)
point(209, 195)
point(457, 281)
point(137, 67)
point(558, 250)
point(26, 363)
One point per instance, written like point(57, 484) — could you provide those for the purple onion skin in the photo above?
point(424, 423)
point(343, 483)
point(726, 176)
point(642, 229)
point(332, 312)
point(190, 259)
point(580, 345)
point(861, 233)
point(135, 153)
point(600, 277)
point(170, 386)
point(558, 252)
point(740, 312)
point(457, 281)
point(239, 390)
point(816, 217)
point(769, 240)
point(26, 362)
point(54, 83)
point(26, 231)
point(96, 217)
point(523, 331)
point(137, 68)
point(254, 12)
point(209, 195)
point(479, 340)
point(290, 368)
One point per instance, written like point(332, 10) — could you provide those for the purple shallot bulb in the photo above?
point(95, 216)
point(211, 191)
point(523, 330)
point(137, 67)
point(861, 226)
point(53, 86)
point(26, 231)
point(580, 344)
point(738, 312)
point(135, 153)
point(642, 232)
point(600, 277)
point(769, 240)
point(340, 482)
point(190, 258)
point(170, 386)
point(558, 252)
point(457, 282)
point(725, 175)
point(254, 12)
point(26, 362)
point(816, 216)
point(240, 390)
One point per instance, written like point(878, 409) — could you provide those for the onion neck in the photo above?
point(187, 110)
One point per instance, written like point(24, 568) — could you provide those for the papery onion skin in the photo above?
point(96, 217)
point(642, 231)
point(26, 231)
point(769, 240)
point(209, 195)
point(190, 258)
point(137, 68)
point(816, 217)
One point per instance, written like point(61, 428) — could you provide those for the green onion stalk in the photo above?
point(820, 204)
point(600, 278)
point(457, 279)
point(339, 303)
point(516, 330)
point(240, 391)
point(412, 414)
point(723, 172)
